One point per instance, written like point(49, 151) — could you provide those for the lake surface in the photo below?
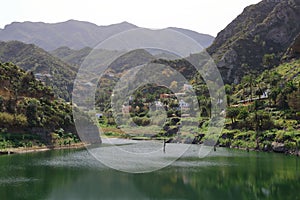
point(224, 174)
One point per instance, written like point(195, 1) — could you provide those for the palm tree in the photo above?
point(205, 106)
point(232, 113)
point(248, 81)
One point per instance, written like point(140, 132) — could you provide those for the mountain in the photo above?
point(204, 39)
point(72, 56)
point(75, 34)
point(51, 70)
point(257, 39)
point(72, 33)
point(130, 60)
point(75, 58)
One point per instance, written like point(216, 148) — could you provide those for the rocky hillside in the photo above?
point(293, 51)
point(75, 34)
point(49, 69)
point(257, 39)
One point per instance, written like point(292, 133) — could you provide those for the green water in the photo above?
point(225, 174)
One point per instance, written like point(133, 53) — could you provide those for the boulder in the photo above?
point(278, 147)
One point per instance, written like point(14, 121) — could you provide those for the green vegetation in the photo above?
point(50, 70)
point(263, 113)
point(263, 109)
point(29, 112)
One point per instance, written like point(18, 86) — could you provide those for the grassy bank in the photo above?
point(19, 150)
point(30, 142)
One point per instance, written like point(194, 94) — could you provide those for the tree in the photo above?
point(32, 113)
point(243, 114)
point(282, 102)
point(262, 121)
point(269, 60)
point(232, 113)
point(248, 81)
point(274, 78)
point(294, 101)
point(228, 91)
point(273, 94)
point(11, 106)
point(205, 106)
point(289, 87)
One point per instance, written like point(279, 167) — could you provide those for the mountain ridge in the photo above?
point(263, 32)
point(75, 34)
point(50, 36)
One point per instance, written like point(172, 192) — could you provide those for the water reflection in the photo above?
point(74, 174)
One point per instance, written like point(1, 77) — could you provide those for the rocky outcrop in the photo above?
point(293, 51)
point(267, 28)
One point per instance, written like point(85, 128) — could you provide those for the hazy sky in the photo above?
point(205, 16)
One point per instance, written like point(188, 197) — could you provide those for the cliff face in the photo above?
point(293, 51)
point(257, 39)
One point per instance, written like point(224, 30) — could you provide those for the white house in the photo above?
point(183, 104)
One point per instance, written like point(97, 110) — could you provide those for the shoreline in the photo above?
point(34, 149)
point(22, 150)
point(293, 153)
point(297, 154)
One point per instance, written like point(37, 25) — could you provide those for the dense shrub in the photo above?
point(141, 121)
point(6, 120)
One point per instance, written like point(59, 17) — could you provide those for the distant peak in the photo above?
point(76, 21)
point(72, 20)
point(124, 23)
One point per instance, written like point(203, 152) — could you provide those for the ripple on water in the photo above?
point(80, 159)
point(192, 157)
point(7, 168)
point(15, 180)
